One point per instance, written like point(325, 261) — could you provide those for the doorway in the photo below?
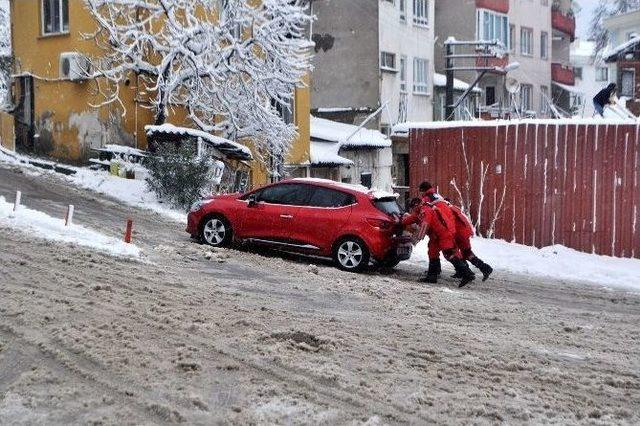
point(24, 114)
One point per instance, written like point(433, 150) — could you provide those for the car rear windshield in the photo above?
point(388, 205)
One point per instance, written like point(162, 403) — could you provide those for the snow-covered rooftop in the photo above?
point(347, 135)
point(326, 153)
point(226, 146)
point(611, 53)
point(440, 80)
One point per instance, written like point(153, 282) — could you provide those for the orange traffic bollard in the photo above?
point(127, 234)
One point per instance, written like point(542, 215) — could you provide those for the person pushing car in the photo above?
point(440, 227)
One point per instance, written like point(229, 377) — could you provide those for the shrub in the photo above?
point(178, 176)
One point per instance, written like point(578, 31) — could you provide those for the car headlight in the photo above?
point(198, 205)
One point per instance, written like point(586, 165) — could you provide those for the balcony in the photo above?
point(501, 6)
point(565, 23)
point(562, 74)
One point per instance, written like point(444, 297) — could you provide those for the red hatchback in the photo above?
point(314, 216)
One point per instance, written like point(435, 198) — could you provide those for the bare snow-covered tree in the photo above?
point(5, 54)
point(605, 9)
point(229, 63)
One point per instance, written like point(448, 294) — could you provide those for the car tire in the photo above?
point(216, 231)
point(351, 254)
point(390, 262)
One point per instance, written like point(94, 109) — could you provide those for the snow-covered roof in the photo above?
point(347, 135)
point(611, 53)
point(122, 149)
point(227, 147)
point(326, 154)
point(440, 80)
point(375, 193)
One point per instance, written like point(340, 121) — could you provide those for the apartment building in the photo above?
point(535, 33)
point(374, 62)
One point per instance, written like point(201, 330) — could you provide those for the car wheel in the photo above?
point(351, 254)
point(216, 231)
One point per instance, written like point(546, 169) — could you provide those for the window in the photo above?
point(388, 61)
point(544, 99)
point(512, 38)
point(286, 194)
point(627, 79)
point(577, 72)
point(388, 205)
point(366, 179)
point(55, 16)
point(602, 74)
point(490, 95)
point(544, 45)
point(492, 26)
point(325, 197)
point(403, 73)
point(403, 10)
point(421, 12)
point(420, 76)
point(525, 96)
point(526, 41)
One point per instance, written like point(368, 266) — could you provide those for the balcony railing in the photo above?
point(493, 62)
point(501, 6)
point(562, 74)
point(565, 23)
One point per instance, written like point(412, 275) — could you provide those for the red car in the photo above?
point(314, 216)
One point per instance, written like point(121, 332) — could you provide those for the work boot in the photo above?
point(429, 278)
point(435, 268)
point(462, 269)
point(484, 268)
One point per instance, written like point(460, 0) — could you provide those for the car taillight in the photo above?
point(379, 223)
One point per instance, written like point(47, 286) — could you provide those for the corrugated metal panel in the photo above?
point(576, 185)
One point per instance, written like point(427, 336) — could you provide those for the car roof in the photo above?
point(351, 188)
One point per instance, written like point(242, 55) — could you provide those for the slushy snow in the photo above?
point(41, 225)
point(556, 261)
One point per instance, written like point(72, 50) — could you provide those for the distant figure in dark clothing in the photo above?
point(604, 97)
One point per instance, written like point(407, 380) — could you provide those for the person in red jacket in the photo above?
point(464, 232)
point(440, 228)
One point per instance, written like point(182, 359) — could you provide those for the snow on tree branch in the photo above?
point(228, 63)
point(5, 55)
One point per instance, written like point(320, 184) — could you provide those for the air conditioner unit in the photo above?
point(74, 66)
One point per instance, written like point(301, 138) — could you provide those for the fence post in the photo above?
point(16, 204)
point(69, 217)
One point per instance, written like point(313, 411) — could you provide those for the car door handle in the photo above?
point(286, 216)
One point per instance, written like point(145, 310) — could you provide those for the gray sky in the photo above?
point(584, 17)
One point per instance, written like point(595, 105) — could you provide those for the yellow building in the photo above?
point(57, 116)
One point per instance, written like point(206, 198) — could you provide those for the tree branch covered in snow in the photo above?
point(5, 55)
point(228, 63)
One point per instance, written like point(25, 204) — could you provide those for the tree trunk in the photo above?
point(160, 116)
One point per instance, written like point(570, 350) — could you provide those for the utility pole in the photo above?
point(449, 85)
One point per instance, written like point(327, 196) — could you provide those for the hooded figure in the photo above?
point(604, 97)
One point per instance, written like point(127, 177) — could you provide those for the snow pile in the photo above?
point(327, 153)
point(556, 262)
point(41, 225)
point(133, 192)
point(440, 80)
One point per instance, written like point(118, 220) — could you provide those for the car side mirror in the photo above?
point(253, 201)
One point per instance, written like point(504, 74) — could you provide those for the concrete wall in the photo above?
point(346, 59)
point(7, 137)
point(454, 18)
point(588, 85)
point(405, 38)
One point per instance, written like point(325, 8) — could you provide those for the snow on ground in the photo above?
point(133, 192)
point(556, 261)
point(44, 226)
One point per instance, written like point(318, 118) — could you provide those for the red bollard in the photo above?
point(127, 234)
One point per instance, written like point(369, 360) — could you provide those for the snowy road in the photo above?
point(195, 335)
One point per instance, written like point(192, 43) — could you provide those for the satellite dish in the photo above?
point(512, 85)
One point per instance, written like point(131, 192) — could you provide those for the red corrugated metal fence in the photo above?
point(539, 183)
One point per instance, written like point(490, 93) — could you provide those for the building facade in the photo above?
point(54, 115)
point(374, 64)
point(532, 34)
point(592, 74)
